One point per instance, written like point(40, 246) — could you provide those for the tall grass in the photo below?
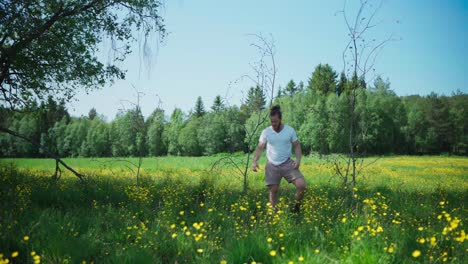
point(184, 213)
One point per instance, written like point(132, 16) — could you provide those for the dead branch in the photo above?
point(47, 151)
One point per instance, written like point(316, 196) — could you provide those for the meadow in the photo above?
point(409, 210)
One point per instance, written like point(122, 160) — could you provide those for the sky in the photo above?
point(208, 49)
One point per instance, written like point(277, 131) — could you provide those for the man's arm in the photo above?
point(257, 153)
point(298, 151)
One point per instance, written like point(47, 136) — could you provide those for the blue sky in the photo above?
point(208, 47)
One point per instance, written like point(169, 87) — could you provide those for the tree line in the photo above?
point(387, 123)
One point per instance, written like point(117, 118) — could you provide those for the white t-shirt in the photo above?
point(278, 144)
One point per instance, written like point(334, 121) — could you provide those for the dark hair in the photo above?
point(276, 110)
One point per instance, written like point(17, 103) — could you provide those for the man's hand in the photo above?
point(255, 166)
point(296, 164)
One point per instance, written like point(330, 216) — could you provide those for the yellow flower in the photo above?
point(14, 254)
point(269, 240)
point(25, 238)
point(174, 235)
point(391, 250)
point(301, 258)
point(33, 253)
point(290, 262)
point(343, 220)
point(223, 262)
point(317, 251)
point(200, 250)
point(181, 212)
point(462, 237)
point(416, 253)
point(272, 253)
point(420, 228)
point(422, 241)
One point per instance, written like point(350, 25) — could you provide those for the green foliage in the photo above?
point(188, 138)
point(48, 46)
point(172, 132)
point(111, 220)
point(255, 101)
point(155, 139)
point(128, 134)
point(323, 79)
point(212, 133)
point(199, 107)
point(218, 104)
point(385, 124)
point(291, 88)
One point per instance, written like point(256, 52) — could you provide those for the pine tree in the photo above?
point(199, 107)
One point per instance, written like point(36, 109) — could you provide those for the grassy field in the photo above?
point(410, 210)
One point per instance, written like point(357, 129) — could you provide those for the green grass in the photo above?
point(186, 213)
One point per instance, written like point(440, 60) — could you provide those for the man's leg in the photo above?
point(273, 194)
point(300, 189)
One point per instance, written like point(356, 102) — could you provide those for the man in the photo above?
point(278, 139)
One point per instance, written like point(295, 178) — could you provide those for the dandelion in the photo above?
point(420, 228)
point(317, 251)
point(272, 253)
point(343, 220)
point(462, 237)
point(33, 253)
point(223, 262)
point(14, 254)
point(290, 262)
point(25, 238)
point(174, 235)
point(416, 253)
point(200, 250)
point(301, 259)
point(173, 226)
point(181, 212)
point(269, 239)
point(391, 250)
point(422, 241)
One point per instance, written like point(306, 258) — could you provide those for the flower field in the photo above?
point(409, 210)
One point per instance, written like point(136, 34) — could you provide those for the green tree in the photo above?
point(92, 113)
point(218, 104)
point(97, 142)
point(234, 127)
point(323, 79)
point(48, 46)
point(199, 107)
point(314, 130)
point(291, 88)
point(156, 123)
point(438, 118)
point(128, 134)
point(212, 133)
point(188, 138)
point(172, 131)
point(342, 84)
point(255, 101)
point(458, 104)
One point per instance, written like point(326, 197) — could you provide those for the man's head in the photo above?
point(275, 117)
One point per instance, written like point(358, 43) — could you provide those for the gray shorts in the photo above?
point(274, 174)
